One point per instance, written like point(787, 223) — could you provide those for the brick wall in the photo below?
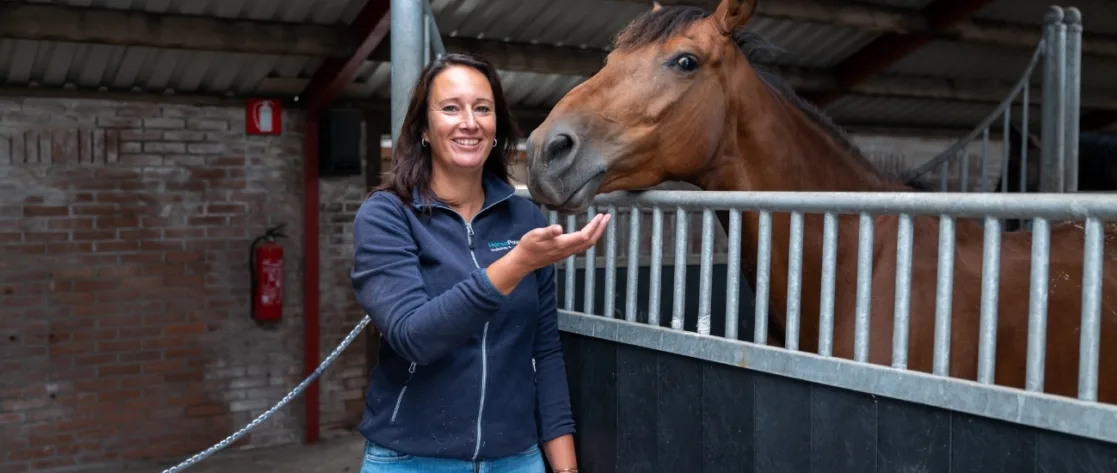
point(124, 325)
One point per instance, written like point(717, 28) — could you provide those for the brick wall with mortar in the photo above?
point(124, 325)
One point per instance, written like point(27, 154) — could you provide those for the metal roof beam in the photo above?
point(137, 28)
point(889, 48)
point(370, 28)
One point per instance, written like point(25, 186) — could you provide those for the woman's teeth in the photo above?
point(467, 142)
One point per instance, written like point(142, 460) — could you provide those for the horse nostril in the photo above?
point(559, 145)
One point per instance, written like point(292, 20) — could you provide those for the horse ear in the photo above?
point(656, 6)
point(733, 14)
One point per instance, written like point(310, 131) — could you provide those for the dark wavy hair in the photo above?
point(411, 161)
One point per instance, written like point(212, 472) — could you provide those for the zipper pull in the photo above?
point(469, 234)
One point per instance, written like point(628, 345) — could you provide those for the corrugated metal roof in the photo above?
point(811, 44)
point(323, 12)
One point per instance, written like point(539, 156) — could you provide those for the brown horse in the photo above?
point(679, 100)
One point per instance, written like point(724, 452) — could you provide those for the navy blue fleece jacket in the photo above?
point(465, 372)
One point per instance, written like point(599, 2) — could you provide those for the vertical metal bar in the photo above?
point(903, 293)
point(706, 272)
point(426, 38)
point(406, 18)
point(633, 264)
point(964, 186)
point(944, 296)
point(733, 273)
point(984, 187)
point(1089, 338)
point(763, 277)
point(611, 264)
point(794, 281)
point(1006, 143)
point(655, 285)
point(682, 222)
point(1024, 137)
point(864, 288)
point(589, 291)
point(944, 175)
point(1073, 61)
point(552, 217)
point(571, 267)
point(990, 287)
point(436, 44)
point(829, 276)
point(1054, 69)
point(1037, 310)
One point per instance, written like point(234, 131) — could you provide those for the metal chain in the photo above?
point(291, 395)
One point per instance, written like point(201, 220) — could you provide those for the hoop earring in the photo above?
point(495, 141)
point(424, 143)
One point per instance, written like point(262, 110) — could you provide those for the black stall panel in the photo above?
point(644, 410)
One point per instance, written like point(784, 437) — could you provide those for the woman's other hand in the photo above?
point(541, 247)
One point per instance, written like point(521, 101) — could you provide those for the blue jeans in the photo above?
point(379, 459)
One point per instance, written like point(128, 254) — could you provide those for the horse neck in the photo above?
point(776, 147)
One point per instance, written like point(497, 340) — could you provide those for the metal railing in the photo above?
point(1061, 51)
point(1093, 209)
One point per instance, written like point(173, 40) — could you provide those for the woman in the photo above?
point(456, 272)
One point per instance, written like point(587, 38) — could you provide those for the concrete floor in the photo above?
point(340, 455)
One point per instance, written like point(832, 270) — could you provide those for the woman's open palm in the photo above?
point(548, 245)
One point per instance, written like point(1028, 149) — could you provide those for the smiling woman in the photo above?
point(457, 273)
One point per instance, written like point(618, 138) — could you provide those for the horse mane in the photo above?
point(656, 26)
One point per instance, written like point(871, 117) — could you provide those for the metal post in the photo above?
point(1073, 53)
point(406, 56)
point(1051, 161)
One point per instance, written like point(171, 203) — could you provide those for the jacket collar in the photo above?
point(495, 189)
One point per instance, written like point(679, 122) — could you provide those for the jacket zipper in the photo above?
point(399, 399)
point(485, 332)
point(484, 350)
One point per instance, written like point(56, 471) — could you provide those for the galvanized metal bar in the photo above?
point(1024, 141)
point(1056, 413)
point(1054, 92)
point(610, 264)
point(1090, 336)
point(633, 273)
point(903, 293)
point(984, 187)
point(406, 34)
point(571, 267)
point(864, 288)
point(589, 291)
point(794, 282)
point(1073, 63)
point(944, 295)
point(655, 284)
point(1037, 310)
point(829, 279)
point(436, 45)
point(733, 273)
point(1006, 148)
point(990, 287)
point(426, 37)
point(944, 176)
point(1076, 206)
point(678, 299)
point(964, 186)
point(706, 272)
point(763, 277)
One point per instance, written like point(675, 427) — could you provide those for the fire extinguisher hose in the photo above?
point(286, 399)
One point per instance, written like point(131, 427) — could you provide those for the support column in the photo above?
point(406, 56)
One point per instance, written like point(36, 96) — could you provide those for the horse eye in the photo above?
point(686, 62)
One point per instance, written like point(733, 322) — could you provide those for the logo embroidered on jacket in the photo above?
point(502, 245)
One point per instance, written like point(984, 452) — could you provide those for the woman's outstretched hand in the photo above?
point(542, 247)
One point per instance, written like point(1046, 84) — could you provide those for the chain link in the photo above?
point(291, 395)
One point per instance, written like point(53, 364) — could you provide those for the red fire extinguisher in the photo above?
point(266, 265)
